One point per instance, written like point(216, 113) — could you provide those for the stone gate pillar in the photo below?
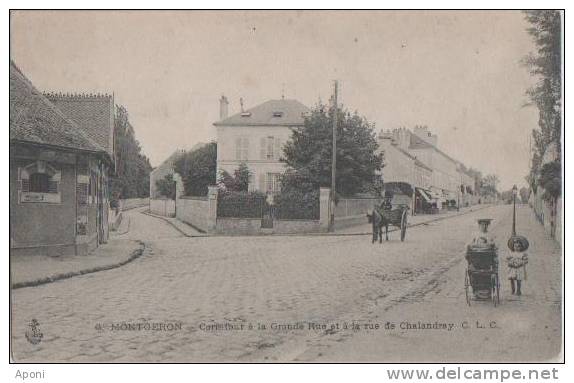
point(212, 214)
point(179, 189)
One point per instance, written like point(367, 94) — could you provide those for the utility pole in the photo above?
point(514, 192)
point(334, 160)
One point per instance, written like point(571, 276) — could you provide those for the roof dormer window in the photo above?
point(245, 114)
point(277, 114)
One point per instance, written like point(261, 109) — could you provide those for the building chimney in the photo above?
point(223, 107)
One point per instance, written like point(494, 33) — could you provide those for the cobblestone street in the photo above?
point(190, 285)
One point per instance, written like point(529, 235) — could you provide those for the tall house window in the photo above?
point(270, 148)
point(273, 183)
point(242, 148)
point(270, 143)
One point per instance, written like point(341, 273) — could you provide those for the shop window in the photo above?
point(39, 183)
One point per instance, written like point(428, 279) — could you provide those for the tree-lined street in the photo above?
point(203, 289)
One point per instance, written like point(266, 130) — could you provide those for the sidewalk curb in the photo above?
point(128, 227)
point(348, 234)
point(135, 207)
point(312, 234)
point(147, 212)
point(58, 277)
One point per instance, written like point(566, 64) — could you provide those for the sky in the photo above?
point(459, 72)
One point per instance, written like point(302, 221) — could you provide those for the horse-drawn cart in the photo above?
point(383, 217)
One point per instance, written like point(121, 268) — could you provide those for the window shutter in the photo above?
point(25, 185)
point(245, 148)
point(263, 148)
point(269, 186)
point(82, 193)
point(238, 148)
point(52, 186)
point(82, 166)
point(262, 184)
point(278, 183)
point(277, 151)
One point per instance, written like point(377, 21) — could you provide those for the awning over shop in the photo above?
point(437, 195)
point(425, 195)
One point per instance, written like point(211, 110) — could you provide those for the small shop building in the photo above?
point(61, 158)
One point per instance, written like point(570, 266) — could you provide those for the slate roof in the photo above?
point(418, 143)
point(263, 115)
point(417, 161)
point(34, 119)
point(93, 113)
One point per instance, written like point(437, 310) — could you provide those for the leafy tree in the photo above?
point(237, 182)
point(489, 185)
point(131, 179)
point(551, 180)
point(166, 186)
point(546, 65)
point(198, 169)
point(299, 196)
point(524, 194)
point(507, 196)
point(308, 153)
point(477, 176)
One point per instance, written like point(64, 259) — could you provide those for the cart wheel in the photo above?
point(495, 290)
point(467, 287)
point(404, 225)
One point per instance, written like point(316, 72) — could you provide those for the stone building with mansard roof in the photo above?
point(256, 137)
point(61, 158)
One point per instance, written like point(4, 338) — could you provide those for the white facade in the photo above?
point(401, 166)
point(256, 137)
point(437, 171)
point(259, 147)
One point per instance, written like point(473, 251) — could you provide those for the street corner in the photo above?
point(34, 270)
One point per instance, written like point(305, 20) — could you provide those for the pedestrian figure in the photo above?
point(516, 263)
point(387, 203)
point(482, 238)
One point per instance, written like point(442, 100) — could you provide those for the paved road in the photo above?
point(521, 329)
point(185, 287)
point(147, 228)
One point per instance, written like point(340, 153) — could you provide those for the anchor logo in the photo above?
point(33, 334)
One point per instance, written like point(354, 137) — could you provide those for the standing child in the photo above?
point(516, 263)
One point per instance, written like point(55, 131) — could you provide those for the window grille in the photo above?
point(39, 183)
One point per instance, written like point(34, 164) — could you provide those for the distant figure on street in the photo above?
point(516, 263)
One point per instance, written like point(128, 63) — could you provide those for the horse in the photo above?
point(376, 218)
